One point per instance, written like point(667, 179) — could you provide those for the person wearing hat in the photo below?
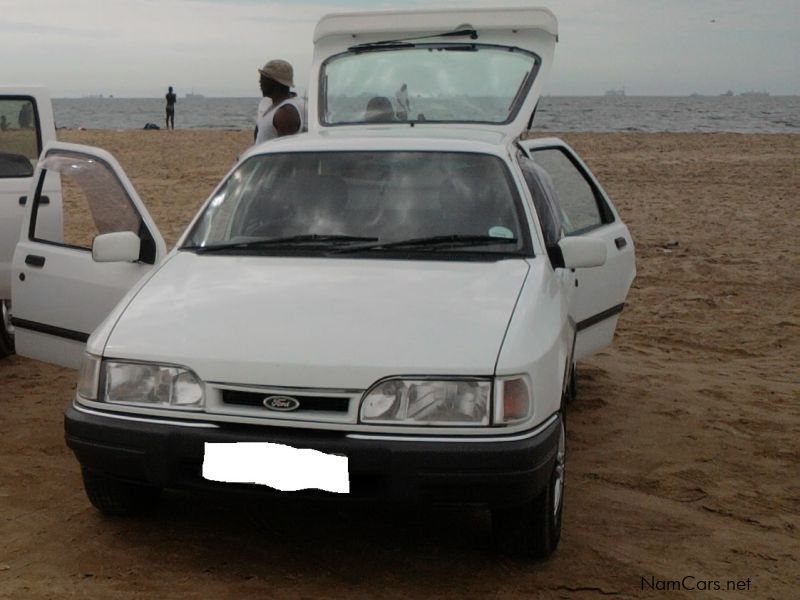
point(280, 112)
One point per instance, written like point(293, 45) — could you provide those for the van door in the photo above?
point(60, 293)
point(26, 125)
point(587, 211)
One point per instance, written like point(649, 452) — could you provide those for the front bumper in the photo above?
point(495, 471)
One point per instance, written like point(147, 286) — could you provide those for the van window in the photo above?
point(19, 137)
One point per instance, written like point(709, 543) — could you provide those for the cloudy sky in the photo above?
point(132, 48)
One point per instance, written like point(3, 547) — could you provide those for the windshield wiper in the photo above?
point(436, 241)
point(403, 42)
point(294, 240)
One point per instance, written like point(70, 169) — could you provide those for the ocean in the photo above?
point(695, 114)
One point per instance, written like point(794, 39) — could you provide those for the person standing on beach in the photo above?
point(171, 100)
point(280, 112)
point(403, 105)
point(25, 117)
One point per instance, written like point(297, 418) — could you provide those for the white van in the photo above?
point(26, 125)
point(407, 286)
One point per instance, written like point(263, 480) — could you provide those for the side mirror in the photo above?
point(582, 252)
point(120, 246)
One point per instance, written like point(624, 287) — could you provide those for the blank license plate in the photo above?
point(276, 465)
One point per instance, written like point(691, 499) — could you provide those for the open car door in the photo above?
point(587, 211)
point(26, 125)
point(64, 286)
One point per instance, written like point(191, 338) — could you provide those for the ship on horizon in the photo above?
point(619, 92)
point(754, 93)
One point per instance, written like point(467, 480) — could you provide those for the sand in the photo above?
point(683, 441)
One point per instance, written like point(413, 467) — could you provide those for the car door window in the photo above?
point(544, 198)
point(582, 206)
point(94, 202)
point(19, 137)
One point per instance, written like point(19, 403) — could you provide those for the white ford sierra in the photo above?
point(409, 288)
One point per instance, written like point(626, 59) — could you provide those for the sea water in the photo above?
point(741, 114)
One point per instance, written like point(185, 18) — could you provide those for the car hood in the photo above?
point(316, 322)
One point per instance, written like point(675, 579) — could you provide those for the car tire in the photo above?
point(116, 497)
point(6, 330)
point(533, 529)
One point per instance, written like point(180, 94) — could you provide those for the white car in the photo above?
point(408, 290)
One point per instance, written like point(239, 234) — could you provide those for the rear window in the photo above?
point(440, 83)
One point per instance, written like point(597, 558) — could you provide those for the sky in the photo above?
point(136, 48)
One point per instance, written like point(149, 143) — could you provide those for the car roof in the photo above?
point(387, 138)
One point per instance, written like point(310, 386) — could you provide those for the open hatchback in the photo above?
point(447, 67)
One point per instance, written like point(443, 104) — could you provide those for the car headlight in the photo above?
point(144, 384)
point(427, 402)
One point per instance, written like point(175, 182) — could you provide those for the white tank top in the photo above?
point(266, 114)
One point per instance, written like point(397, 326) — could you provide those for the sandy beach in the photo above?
point(684, 441)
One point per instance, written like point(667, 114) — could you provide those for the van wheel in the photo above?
point(6, 330)
point(115, 497)
point(533, 529)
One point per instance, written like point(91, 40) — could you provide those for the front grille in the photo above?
point(306, 403)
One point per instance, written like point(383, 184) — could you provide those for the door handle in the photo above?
point(42, 200)
point(34, 260)
point(620, 243)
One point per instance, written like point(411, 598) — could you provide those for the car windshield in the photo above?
point(372, 201)
point(458, 82)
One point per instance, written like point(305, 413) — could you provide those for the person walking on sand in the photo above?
point(280, 112)
point(171, 100)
